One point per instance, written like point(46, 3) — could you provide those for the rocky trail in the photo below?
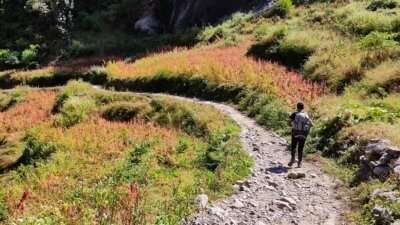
point(274, 194)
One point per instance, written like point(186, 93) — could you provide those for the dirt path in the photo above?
point(269, 197)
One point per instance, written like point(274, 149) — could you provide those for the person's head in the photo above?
point(300, 106)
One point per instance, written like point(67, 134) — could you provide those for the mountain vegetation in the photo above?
point(342, 58)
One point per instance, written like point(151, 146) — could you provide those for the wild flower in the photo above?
point(21, 204)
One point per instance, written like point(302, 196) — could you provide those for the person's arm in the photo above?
point(291, 119)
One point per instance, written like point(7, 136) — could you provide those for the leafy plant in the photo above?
point(282, 8)
point(30, 56)
point(74, 111)
point(36, 149)
point(8, 59)
point(378, 40)
point(124, 111)
point(382, 4)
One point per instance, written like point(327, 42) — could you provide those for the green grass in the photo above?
point(140, 168)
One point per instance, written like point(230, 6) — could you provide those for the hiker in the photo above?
point(301, 125)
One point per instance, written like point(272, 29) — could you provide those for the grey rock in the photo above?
point(259, 223)
point(396, 171)
point(296, 175)
point(253, 204)
point(364, 172)
point(382, 172)
point(291, 201)
point(202, 201)
point(283, 205)
point(148, 24)
point(237, 204)
point(397, 222)
point(382, 215)
point(385, 194)
point(272, 184)
point(232, 222)
point(396, 163)
point(385, 159)
point(375, 148)
point(217, 212)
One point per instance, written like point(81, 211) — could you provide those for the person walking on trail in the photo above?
point(301, 125)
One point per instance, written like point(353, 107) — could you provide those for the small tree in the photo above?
point(60, 12)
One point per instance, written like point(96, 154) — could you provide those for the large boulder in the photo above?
point(148, 24)
point(379, 160)
point(176, 15)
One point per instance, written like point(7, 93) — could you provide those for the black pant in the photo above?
point(299, 143)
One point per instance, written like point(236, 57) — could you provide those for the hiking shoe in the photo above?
point(290, 164)
point(299, 164)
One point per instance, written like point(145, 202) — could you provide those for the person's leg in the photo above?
point(301, 143)
point(293, 150)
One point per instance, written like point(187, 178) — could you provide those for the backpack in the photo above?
point(301, 122)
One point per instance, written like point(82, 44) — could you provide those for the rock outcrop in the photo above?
point(176, 15)
point(379, 160)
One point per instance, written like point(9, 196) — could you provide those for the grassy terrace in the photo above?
point(84, 156)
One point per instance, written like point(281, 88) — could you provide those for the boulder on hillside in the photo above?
point(379, 160)
point(177, 15)
point(148, 25)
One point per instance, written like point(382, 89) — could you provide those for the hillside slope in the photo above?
point(340, 57)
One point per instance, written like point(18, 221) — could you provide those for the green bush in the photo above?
point(178, 115)
point(382, 4)
point(269, 33)
point(378, 40)
point(74, 111)
point(337, 65)
point(97, 75)
point(325, 135)
point(130, 169)
point(221, 157)
point(355, 19)
point(73, 88)
point(290, 49)
point(386, 76)
point(273, 116)
point(125, 111)
point(282, 8)
point(8, 59)
point(35, 149)
point(30, 56)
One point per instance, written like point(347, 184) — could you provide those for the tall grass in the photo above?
point(386, 76)
point(227, 65)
